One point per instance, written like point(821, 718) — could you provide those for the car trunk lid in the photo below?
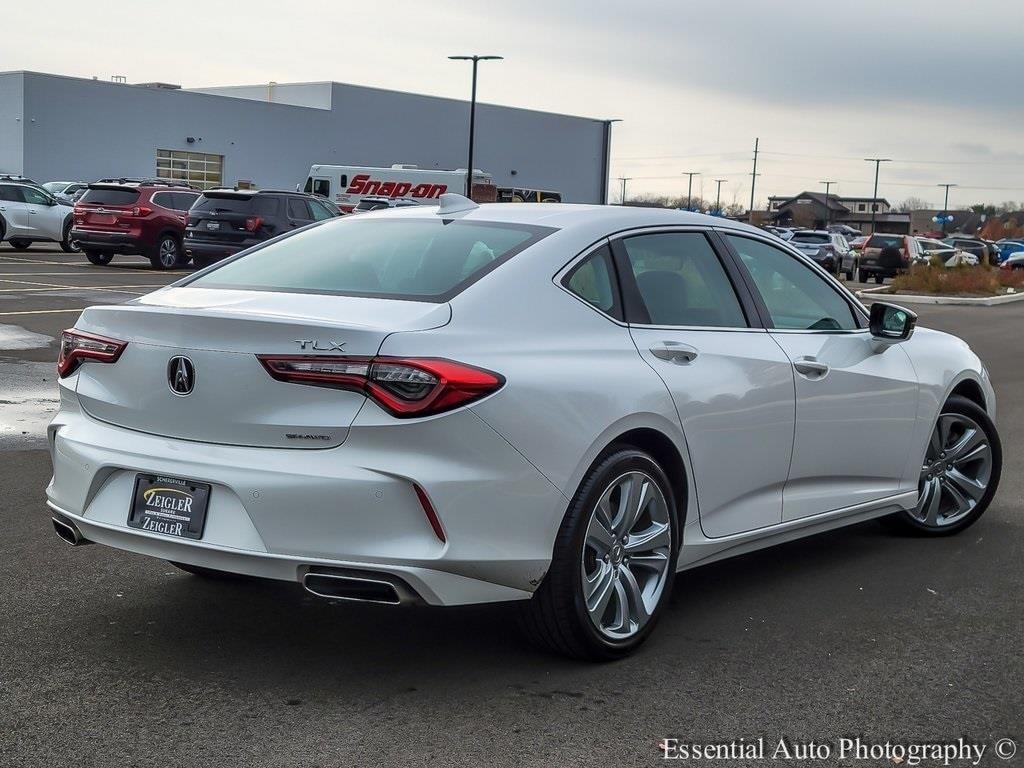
point(232, 399)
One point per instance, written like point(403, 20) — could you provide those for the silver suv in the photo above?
point(30, 214)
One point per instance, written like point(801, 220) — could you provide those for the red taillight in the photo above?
point(405, 387)
point(141, 210)
point(76, 346)
point(253, 223)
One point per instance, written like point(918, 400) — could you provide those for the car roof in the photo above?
point(612, 218)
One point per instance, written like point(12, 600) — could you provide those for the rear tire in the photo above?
point(99, 258)
point(880, 279)
point(20, 245)
point(960, 472)
point(625, 598)
point(168, 253)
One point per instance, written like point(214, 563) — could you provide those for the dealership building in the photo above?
point(56, 128)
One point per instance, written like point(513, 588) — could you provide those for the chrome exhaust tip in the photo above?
point(69, 532)
point(344, 586)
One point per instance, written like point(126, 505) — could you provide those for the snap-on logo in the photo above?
point(364, 184)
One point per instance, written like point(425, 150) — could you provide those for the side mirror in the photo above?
point(891, 323)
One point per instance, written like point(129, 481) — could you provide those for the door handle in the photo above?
point(811, 369)
point(32, 213)
point(674, 352)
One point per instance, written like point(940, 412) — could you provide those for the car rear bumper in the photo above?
point(277, 513)
point(108, 241)
point(214, 249)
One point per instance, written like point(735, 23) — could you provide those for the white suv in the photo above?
point(30, 214)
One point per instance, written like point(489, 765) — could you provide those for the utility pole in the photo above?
point(874, 199)
point(689, 188)
point(753, 182)
point(828, 211)
point(472, 114)
point(718, 195)
point(945, 205)
point(624, 179)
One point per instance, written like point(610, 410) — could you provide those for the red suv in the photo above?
point(134, 216)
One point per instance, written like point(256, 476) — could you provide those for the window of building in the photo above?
point(861, 207)
point(197, 168)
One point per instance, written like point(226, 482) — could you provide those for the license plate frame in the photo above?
point(169, 506)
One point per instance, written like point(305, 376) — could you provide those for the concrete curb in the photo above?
point(900, 298)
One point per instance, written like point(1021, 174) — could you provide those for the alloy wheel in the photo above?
point(956, 471)
point(626, 555)
point(168, 252)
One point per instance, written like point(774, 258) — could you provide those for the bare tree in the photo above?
point(913, 204)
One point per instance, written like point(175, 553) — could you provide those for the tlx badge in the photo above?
point(316, 346)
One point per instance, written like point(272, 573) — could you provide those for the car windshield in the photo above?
point(413, 259)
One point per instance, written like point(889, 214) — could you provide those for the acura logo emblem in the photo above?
point(181, 376)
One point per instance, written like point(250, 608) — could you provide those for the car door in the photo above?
point(44, 218)
point(695, 325)
point(856, 402)
point(12, 210)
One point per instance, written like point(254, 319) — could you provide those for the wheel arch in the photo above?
point(970, 389)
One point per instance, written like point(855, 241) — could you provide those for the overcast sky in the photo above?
point(935, 86)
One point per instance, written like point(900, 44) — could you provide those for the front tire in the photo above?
point(959, 474)
point(613, 564)
point(20, 245)
point(67, 244)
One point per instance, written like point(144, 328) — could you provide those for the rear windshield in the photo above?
point(110, 196)
point(810, 237)
point(415, 259)
point(885, 241)
point(260, 205)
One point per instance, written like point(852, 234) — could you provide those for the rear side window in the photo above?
point(414, 259)
point(110, 196)
point(593, 280)
point(297, 209)
point(682, 282)
point(9, 193)
point(164, 200)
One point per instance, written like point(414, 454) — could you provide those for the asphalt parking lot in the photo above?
point(111, 659)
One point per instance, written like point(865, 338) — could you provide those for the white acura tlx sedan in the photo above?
point(557, 404)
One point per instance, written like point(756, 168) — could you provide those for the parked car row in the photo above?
point(30, 214)
point(170, 222)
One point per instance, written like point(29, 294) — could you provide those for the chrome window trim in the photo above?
point(606, 241)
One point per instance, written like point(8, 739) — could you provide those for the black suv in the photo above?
point(225, 221)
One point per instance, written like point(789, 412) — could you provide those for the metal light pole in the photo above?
point(689, 188)
point(828, 211)
point(753, 183)
point(624, 179)
point(472, 114)
point(874, 199)
point(718, 195)
point(945, 205)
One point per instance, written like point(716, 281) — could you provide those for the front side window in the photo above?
point(682, 282)
point(35, 196)
point(797, 298)
point(414, 259)
point(322, 187)
point(593, 280)
point(320, 211)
